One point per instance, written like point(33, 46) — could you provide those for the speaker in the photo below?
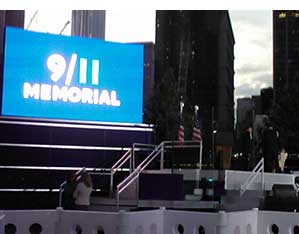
point(283, 191)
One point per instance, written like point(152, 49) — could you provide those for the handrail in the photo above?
point(120, 161)
point(117, 165)
point(179, 145)
point(135, 174)
point(259, 168)
point(61, 187)
point(145, 145)
point(129, 155)
point(158, 149)
point(141, 147)
point(139, 167)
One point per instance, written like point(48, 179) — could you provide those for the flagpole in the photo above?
point(181, 107)
point(198, 170)
point(181, 131)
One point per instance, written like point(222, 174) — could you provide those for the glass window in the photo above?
point(295, 14)
point(282, 15)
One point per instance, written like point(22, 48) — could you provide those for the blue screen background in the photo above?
point(121, 69)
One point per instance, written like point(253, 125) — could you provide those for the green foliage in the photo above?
point(163, 110)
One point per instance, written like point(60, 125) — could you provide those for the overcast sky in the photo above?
point(252, 31)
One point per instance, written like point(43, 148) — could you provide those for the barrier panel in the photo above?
point(271, 222)
point(148, 222)
point(24, 220)
point(142, 222)
point(242, 222)
point(177, 222)
point(89, 222)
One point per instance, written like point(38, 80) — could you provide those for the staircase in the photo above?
point(138, 184)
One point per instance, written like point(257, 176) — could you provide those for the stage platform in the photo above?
point(190, 174)
point(109, 204)
point(219, 190)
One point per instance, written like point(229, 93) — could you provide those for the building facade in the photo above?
point(13, 18)
point(148, 72)
point(198, 47)
point(285, 51)
point(286, 77)
point(88, 23)
point(245, 113)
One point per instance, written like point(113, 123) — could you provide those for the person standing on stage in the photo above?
point(68, 201)
point(246, 147)
point(270, 148)
point(82, 192)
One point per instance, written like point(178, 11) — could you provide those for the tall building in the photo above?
point(245, 113)
point(286, 49)
point(286, 76)
point(198, 46)
point(88, 23)
point(13, 18)
point(9, 18)
point(148, 72)
point(267, 100)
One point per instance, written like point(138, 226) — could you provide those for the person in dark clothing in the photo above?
point(68, 201)
point(270, 148)
point(246, 147)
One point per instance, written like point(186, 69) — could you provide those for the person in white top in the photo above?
point(82, 192)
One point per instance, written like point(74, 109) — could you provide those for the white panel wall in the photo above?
point(23, 219)
point(145, 222)
point(242, 222)
point(285, 221)
point(152, 222)
point(190, 221)
point(89, 222)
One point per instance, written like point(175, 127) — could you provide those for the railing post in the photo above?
point(133, 157)
point(200, 155)
point(111, 182)
point(262, 175)
point(137, 190)
point(162, 157)
point(198, 171)
point(60, 196)
point(117, 198)
point(131, 161)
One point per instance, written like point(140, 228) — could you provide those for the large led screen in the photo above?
point(73, 78)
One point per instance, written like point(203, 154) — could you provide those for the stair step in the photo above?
point(192, 197)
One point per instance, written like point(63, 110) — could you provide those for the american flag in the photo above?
point(196, 135)
point(181, 133)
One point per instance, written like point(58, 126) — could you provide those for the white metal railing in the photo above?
point(158, 150)
point(135, 174)
point(140, 147)
point(129, 155)
point(259, 168)
point(117, 165)
point(92, 171)
point(186, 144)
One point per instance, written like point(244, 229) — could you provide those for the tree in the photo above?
point(163, 110)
